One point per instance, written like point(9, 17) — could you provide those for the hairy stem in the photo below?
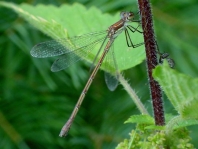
point(152, 62)
point(133, 95)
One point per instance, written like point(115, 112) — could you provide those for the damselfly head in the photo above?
point(127, 16)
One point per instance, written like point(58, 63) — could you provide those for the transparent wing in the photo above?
point(74, 56)
point(111, 77)
point(111, 81)
point(62, 46)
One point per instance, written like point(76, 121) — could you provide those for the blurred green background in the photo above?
point(35, 104)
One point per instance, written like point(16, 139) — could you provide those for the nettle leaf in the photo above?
point(185, 123)
point(180, 89)
point(69, 20)
point(140, 119)
point(178, 122)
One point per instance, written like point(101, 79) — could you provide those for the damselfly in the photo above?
point(77, 48)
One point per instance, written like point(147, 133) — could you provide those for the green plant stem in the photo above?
point(132, 94)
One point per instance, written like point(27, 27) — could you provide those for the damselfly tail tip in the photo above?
point(63, 133)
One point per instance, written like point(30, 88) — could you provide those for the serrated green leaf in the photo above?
point(140, 119)
point(180, 89)
point(185, 123)
point(179, 122)
point(69, 20)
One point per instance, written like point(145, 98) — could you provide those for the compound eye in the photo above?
point(130, 15)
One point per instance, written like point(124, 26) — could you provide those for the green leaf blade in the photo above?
point(140, 119)
point(69, 20)
point(180, 89)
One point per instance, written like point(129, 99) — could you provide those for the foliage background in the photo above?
point(33, 107)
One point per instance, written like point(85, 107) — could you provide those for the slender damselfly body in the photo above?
point(77, 48)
